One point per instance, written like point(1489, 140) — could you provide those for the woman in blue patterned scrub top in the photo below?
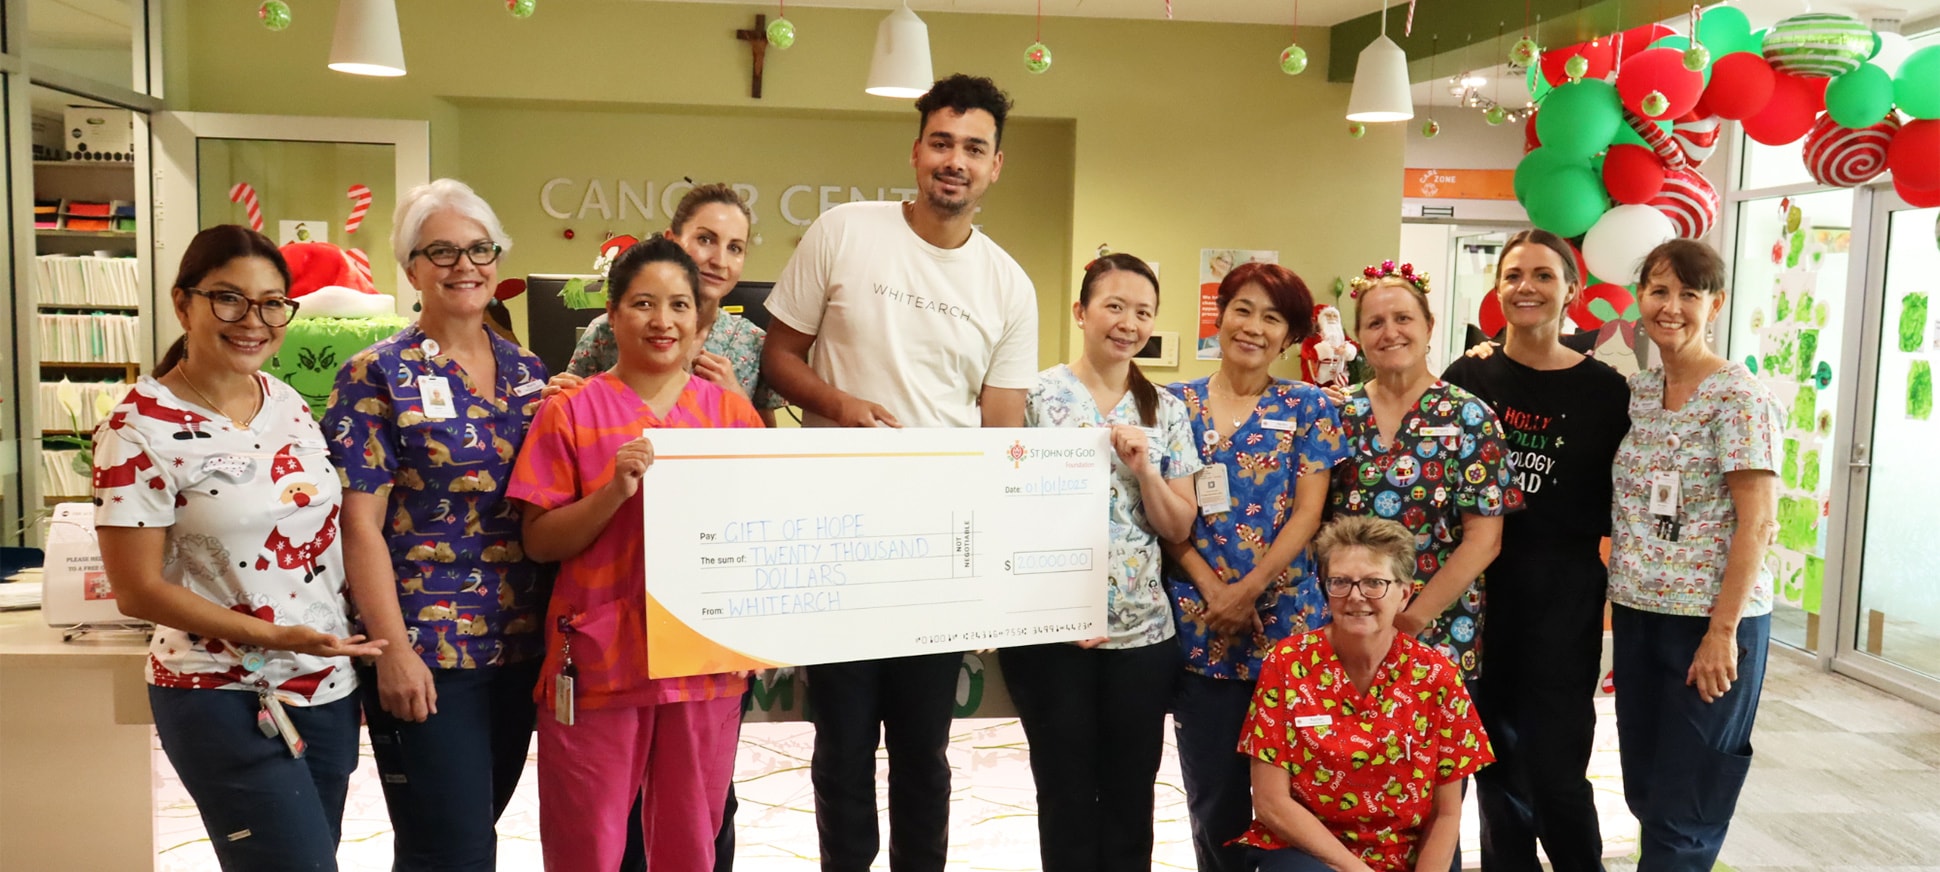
point(1429, 455)
point(1094, 711)
point(1245, 580)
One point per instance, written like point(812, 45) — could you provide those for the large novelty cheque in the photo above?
point(870, 543)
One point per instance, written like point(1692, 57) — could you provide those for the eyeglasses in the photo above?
point(440, 254)
point(230, 306)
point(1372, 588)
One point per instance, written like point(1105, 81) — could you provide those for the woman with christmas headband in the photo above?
point(1564, 415)
point(217, 509)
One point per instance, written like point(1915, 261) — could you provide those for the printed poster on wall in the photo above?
point(1214, 264)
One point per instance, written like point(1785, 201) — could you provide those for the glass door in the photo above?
point(1893, 611)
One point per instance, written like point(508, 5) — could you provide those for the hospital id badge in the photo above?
point(435, 391)
point(1212, 489)
point(563, 710)
point(281, 719)
point(1666, 501)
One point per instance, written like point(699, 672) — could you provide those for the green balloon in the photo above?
point(1539, 87)
point(1725, 29)
point(1860, 98)
point(1580, 118)
point(1568, 202)
point(1917, 87)
point(1537, 166)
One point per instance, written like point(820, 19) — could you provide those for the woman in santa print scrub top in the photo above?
point(217, 510)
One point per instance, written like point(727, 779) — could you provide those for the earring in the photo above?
point(1710, 334)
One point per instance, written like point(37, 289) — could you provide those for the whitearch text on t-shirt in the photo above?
point(918, 301)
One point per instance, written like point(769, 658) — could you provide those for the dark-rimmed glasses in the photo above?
point(1372, 588)
point(440, 254)
point(233, 306)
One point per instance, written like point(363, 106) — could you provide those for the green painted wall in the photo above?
point(1181, 136)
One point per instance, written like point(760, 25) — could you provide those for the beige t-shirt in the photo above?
point(897, 321)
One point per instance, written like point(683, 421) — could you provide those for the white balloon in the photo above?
point(1615, 247)
point(1893, 50)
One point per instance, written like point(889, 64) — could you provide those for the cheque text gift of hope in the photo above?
point(870, 543)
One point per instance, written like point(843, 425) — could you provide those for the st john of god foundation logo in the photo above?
point(1017, 453)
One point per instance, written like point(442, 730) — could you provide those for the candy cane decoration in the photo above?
point(246, 195)
point(361, 262)
point(1168, 10)
point(1408, 29)
point(359, 204)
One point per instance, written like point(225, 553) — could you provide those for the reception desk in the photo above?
point(76, 770)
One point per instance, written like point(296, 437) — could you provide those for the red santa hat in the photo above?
point(318, 265)
point(284, 464)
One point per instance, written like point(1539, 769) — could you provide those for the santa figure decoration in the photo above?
point(1324, 355)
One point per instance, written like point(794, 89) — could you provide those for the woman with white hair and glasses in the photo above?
point(425, 426)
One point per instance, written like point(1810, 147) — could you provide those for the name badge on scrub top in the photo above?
point(435, 391)
point(1277, 424)
point(1313, 720)
point(1443, 430)
point(529, 388)
point(1212, 489)
point(1666, 499)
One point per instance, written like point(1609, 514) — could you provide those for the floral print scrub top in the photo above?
point(1292, 432)
point(469, 596)
point(1730, 423)
point(1366, 764)
point(732, 336)
point(1447, 461)
point(1137, 611)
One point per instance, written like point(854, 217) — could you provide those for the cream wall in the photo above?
point(1185, 135)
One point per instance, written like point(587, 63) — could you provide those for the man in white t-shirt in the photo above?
point(903, 315)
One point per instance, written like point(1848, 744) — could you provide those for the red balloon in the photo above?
point(1637, 39)
point(1633, 174)
point(508, 288)
point(1788, 115)
point(1914, 157)
point(1617, 296)
point(1923, 199)
point(1661, 70)
point(1741, 85)
point(1490, 317)
point(1530, 142)
point(1601, 53)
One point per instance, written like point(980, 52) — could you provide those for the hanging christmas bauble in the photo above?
point(275, 14)
point(1293, 60)
point(1525, 52)
point(1495, 116)
point(1431, 128)
point(1356, 129)
point(781, 33)
point(1696, 58)
point(1037, 58)
point(521, 8)
point(1576, 66)
point(1655, 104)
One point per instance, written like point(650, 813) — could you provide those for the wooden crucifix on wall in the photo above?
point(758, 40)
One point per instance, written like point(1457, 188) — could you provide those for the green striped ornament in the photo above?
point(1819, 45)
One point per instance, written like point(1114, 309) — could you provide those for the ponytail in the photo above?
point(173, 358)
point(1145, 394)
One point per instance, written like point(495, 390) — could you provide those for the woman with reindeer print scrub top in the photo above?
point(425, 426)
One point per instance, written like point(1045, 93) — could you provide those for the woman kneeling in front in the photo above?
point(1360, 734)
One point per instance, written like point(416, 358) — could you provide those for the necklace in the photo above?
point(240, 422)
point(1241, 418)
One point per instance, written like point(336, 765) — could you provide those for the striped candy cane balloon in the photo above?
point(1818, 45)
point(1847, 158)
point(244, 193)
point(1660, 142)
point(359, 204)
point(361, 263)
point(1698, 136)
point(1690, 202)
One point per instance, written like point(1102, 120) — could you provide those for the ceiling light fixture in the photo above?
point(1381, 81)
point(901, 65)
point(367, 41)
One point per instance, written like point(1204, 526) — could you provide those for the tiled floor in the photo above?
point(1844, 778)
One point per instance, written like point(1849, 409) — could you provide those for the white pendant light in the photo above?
point(1381, 81)
point(901, 66)
point(367, 41)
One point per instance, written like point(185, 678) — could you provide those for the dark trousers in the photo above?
point(264, 809)
point(1207, 717)
point(447, 779)
point(1095, 722)
point(1288, 860)
point(1542, 649)
point(906, 703)
point(1684, 760)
